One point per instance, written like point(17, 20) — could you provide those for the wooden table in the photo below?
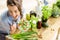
point(51, 32)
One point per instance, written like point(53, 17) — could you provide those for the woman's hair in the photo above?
point(18, 4)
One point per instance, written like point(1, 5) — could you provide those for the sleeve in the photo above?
point(9, 22)
point(4, 26)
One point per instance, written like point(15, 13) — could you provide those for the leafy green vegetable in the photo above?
point(34, 22)
point(24, 26)
point(46, 12)
point(58, 4)
point(55, 11)
point(25, 35)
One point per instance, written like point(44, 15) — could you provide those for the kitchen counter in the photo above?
point(51, 32)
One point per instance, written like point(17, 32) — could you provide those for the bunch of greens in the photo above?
point(46, 11)
point(25, 36)
point(55, 11)
point(26, 25)
point(33, 22)
point(29, 24)
point(58, 4)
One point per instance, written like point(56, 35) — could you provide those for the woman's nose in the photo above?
point(14, 14)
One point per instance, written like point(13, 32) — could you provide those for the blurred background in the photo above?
point(2, 5)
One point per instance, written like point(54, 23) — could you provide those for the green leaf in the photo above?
point(23, 35)
point(47, 12)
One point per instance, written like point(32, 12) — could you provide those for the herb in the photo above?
point(33, 22)
point(55, 11)
point(24, 26)
point(46, 11)
point(25, 35)
point(58, 3)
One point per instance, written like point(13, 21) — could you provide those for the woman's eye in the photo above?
point(10, 11)
point(15, 11)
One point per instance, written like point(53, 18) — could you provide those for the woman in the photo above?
point(15, 13)
point(9, 20)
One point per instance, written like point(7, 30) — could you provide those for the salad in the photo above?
point(24, 25)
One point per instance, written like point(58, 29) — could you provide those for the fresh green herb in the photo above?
point(55, 11)
point(26, 35)
point(24, 26)
point(46, 12)
point(33, 22)
point(58, 4)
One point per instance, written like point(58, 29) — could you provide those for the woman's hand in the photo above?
point(13, 29)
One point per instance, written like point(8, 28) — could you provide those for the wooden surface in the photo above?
point(51, 32)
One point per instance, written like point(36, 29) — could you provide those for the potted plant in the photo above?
point(56, 10)
point(46, 11)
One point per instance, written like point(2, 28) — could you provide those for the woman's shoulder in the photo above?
point(3, 15)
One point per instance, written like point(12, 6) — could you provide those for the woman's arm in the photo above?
point(13, 29)
point(4, 27)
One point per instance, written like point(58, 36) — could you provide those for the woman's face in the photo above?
point(14, 12)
